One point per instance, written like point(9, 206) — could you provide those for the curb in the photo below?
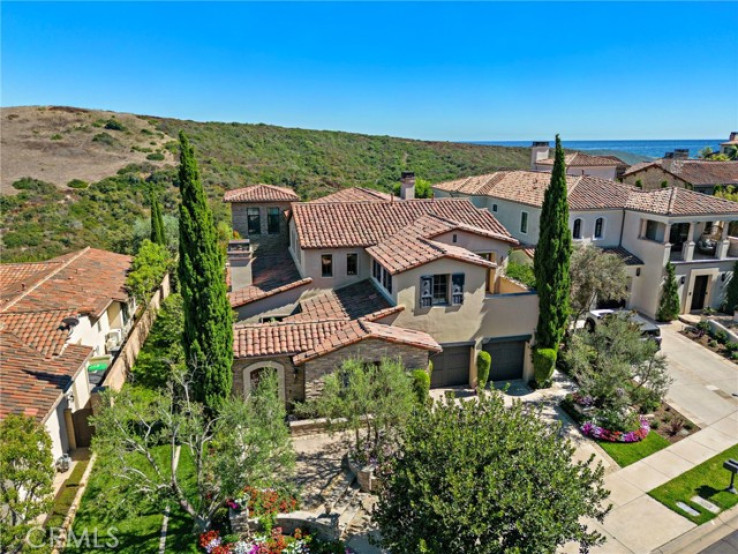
point(699, 538)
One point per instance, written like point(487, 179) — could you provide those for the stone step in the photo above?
point(337, 487)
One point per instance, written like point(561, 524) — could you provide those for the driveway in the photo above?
point(704, 382)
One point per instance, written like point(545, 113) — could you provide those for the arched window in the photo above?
point(577, 231)
point(599, 226)
point(254, 372)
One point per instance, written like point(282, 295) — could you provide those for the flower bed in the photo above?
point(271, 543)
point(590, 429)
point(264, 502)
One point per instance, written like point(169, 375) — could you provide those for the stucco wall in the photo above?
point(240, 222)
point(311, 267)
point(612, 223)
point(57, 429)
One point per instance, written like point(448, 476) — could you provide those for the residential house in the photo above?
point(370, 275)
point(646, 228)
point(730, 145)
point(56, 318)
point(679, 171)
point(577, 163)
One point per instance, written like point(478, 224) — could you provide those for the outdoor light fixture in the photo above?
point(722, 276)
point(683, 280)
point(638, 272)
point(732, 466)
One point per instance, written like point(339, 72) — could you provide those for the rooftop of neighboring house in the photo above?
point(585, 192)
point(365, 224)
point(674, 201)
point(695, 172)
point(261, 193)
point(579, 159)
point(307, 340)
point(733, 139)
point(36, 299)
point(355, 194)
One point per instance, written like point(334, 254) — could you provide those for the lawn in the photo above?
point(137, 532)
point(708, 480)
point(626, 453)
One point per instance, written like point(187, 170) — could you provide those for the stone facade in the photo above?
point(370, 350)
point(293, 382)
point(239, 214)
point(651, 178)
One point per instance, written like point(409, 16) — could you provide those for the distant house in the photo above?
point(678, 171)
point(365, 274)
point(56, 319)
point(732, 143)
point(577, 163)
point(646, 228)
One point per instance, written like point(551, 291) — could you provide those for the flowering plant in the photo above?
point(582, 400)
point(590, 429)
point(264, 502)
point(274, 542)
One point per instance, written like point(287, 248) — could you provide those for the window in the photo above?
point(386, 280)
point(651, 229)
point(455, 238)
point(273, 221)
point(494, 207)
point(524, 222)
point(599, 223)
point(326, 265)
point(253, 218)
point(377, 271)
point(352, 264)
point(577, 231)
point(440, 290)
point(457, 289)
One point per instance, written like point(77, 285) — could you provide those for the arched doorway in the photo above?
point(254, 372)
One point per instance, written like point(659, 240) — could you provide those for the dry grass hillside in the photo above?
point(57, 144)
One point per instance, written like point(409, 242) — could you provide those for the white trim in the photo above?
point(261, 365)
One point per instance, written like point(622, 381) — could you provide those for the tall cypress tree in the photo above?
point(208, 331)
point(551, 262)
point(669, 302)
point(157, 221)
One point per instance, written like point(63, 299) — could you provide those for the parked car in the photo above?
point(649, 331)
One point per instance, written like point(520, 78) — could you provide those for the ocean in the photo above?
point(643, 149)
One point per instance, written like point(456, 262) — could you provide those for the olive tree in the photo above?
point(141, 434)
point(595, 275)
point(478, 478)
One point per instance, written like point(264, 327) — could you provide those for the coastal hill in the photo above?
point(73, 177)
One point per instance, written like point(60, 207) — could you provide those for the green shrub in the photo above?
point(734, 356)
point(421, 385)
point(56, 136)
point(639, 183)
point(146, 132)
point(430, 368)
point(712, 343)
point(721, 336)
point(731, 347)
point(78, 184)
point(114, 125)
point(521, 272)
point(655, 424)
point(35, 185)
point(484, 362)
point(664, 184)
point(544, 362)
point(703, 326)
point(158, 156)
point(104, 138)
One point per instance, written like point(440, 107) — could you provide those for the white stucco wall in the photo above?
point(612, 223)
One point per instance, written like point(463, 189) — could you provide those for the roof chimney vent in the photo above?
point(539, 150)
point(407, 185)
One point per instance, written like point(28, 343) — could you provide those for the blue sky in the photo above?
point(471, 71)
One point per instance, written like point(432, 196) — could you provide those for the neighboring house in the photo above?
point(699, 175)
point(577, 163)
point(646, 228)
point(56, 318)
point(370, 275)
point(730, 145)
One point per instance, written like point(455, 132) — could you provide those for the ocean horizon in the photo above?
point(646, 149)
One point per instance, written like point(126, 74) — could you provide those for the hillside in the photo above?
point(106, 206)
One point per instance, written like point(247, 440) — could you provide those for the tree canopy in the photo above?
point(595, 275)
point(478, 478)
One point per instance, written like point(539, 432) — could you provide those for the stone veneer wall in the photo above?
point(370, 350)
point(652, 177)
point(239, 211)
point(294, 383)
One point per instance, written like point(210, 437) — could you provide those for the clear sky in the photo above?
point(471, 71)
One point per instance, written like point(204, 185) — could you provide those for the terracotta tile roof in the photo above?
point(579, 159)
point(355, 194)
point(674, 201)
point(363, 224)
point(275, 339)
point(273, 272)
point(250, 294)
point(695, 172)
point(40, 330)
point(261, 193)
point(529, 187)
point(627, 257)
point(352, 302)
point(31, 384)
point(359, 330)
point(413, 246)
point(87, 280)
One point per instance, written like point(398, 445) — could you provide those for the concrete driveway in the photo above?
point(704, 382)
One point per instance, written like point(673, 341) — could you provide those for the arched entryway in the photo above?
point(253, 373)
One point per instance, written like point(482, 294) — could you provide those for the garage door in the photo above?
point(507, 359)
point(451, 367)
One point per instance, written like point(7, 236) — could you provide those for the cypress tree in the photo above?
point(669, 303)
point(731, 294)
point(208, 331)
point(551, 262)
point(157, 221)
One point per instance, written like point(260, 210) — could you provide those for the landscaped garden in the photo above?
point(715, 340)
point(708, 481)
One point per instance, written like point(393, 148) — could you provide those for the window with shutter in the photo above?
point(457, 289)
point(426, 291)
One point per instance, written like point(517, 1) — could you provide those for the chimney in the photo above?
point(539, 150)
point(239, 260)
point(681, 153)
point(407, 185)
point(733, 136)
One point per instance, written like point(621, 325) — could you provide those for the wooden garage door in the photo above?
point(451, 367)
point(507, 359)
